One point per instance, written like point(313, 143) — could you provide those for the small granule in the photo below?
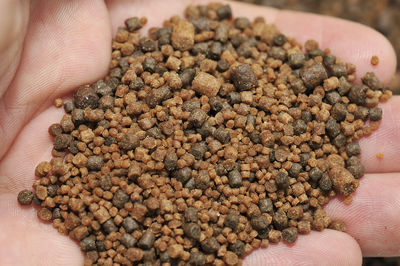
point(380, 155)
point(374, 60)
point(58, 102)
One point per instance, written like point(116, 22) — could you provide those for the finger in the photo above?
point(32, 146)
point(317, 248)
point(353, 42)
point(373, 217)
point(28, 241)
point(13, 23)
point(385, 140)
point(67, 45)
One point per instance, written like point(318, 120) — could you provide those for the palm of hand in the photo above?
point(67, 44)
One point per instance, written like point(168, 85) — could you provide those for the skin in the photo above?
point(48, 48)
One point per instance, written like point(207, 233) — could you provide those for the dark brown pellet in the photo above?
point(238, 247)
point(192, 230)
point(333, 97)
point(133, 24)
point(25, 197)
point(278, 53)
point(242, 23)
point(313, 75)
point(85, 97)
point(210, 245)
point(62, 141)
point(95, 163)
point(120, 198)
point(191, 215)
point(224, 12)
point(147, 240)
point(325, 183)
point(198, 117)
point(296, 60)
point(289, 234)
point(315, 174)
point(243, 77)
point(128, 240)
point(375, 114)
point(339, 112)
point(55, 130)
point(187, 76)
point(202, 180)
point(357, 94)
point(130, 225)
point(231, 220)
point(295, 170)
point(266, 205)
point(88, 244)
point(282, 180)
point(222, 135)
point(279, 39)
point(333, 128)
point(109, 226)
point(259, 223)
point(170, 161)
point(353, 149)
point(280, 220)
point(235, 179)
point(197, 259)
point(299, 127)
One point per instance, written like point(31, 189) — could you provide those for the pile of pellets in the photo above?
point(209, 138)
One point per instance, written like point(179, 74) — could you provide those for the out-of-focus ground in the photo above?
point(383, 15)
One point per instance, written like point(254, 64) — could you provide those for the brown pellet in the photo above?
point(289, 234)
point(25, 197)
point(58, 102)
point(374, 60)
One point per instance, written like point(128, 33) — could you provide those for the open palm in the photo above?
point(48, 48)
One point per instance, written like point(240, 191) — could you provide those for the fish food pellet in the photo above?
point(211, 137)
point(25, 197)
point(374, 60)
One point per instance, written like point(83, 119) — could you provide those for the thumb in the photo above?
point(13, 23)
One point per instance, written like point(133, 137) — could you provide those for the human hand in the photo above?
point(48, 48)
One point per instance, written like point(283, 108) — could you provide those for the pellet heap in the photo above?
point(209, 138)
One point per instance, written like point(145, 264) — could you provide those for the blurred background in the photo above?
point(382, 15)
